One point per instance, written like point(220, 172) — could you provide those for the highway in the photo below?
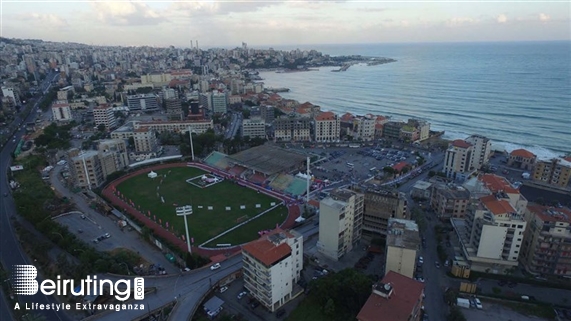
point(11, 253)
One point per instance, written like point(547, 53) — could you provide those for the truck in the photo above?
point(463, 303)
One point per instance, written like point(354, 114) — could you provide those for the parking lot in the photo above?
point(87, 229)
point(356, 164)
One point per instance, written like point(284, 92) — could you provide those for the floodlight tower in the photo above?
point(184, 211)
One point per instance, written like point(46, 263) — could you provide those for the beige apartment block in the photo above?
point(403, 243)
point(340, 223)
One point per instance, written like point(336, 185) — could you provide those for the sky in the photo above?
point(228, 23)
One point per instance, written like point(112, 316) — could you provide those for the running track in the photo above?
point(293, 208)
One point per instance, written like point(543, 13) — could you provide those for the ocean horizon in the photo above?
point(518, 94)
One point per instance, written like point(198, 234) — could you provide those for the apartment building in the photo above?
point(174, 109)
point(219, 102)
point(555, 171)
point(362, 128)
point(12, 94)
point(449, 200)
point(143, 102)
point(409, 133)
point(86, 169)
point(391, 129)
point(112, 155)
point(395, 298)
point(104, 115)
point(491, 234)
point(61, 112)
point(197, 126)
point(380, 206)
point(458, 160)
point(547, 241)
point(402, 246)
point(481, 149)
point(288, 128)
point(267, 113)
point(254, 127)
point(522, 159)
point(340, 222)
point(498, 184)
point(205, 100)
point(327, 127)
point(422, 127)
point(272, 266)
point(145, 140)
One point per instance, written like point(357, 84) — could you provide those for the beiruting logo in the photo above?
point(24, 283)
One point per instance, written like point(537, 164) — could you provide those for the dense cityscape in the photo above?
point(294, 212)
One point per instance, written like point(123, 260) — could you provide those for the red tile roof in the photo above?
point(405, 297)
point(399, 166)
point(266, 251)
point(568, 158)
point(328, 115)
point(347, 117)
point(461, 143)
point(550, 214)
point(497, 183)
point(522, 153)
point(497, 207)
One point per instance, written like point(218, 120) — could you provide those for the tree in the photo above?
point(329, 308)
point(101, 127)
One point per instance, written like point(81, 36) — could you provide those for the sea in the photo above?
point(518, 94)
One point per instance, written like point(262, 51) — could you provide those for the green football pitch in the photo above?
point(216, 208)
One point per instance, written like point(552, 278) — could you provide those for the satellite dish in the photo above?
point(387, 287)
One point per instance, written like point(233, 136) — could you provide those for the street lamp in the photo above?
point(191, 147)
point(184, 211)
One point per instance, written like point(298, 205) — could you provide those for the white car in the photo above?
point(215, 266)
point(223, 289)
point(478, 303)
point(420, 260)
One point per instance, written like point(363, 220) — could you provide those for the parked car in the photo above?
point(242, 294)
point(223, 289)
point(420, 259)
point(478, 303)
point(215, 266)
point(107, 235)
point(437, 264)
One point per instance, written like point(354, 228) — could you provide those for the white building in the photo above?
point(10, 93)
point(104, 115)
point(492, 232)
point(481, 149)
point(219, 102)
point(143, 102)
point(272, 266)
point(458, 160)
point(61, 112)
point(254, 127)
point(340, 222)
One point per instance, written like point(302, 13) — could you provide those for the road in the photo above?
point(11, 253)
point(187, 288)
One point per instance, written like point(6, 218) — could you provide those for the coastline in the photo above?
point(501, 145)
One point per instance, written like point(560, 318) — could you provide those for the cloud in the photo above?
point(193, 8)
point(458, 21)
point(46, 20)
point(502, 18)
point(126, 13)
point(544, 17)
